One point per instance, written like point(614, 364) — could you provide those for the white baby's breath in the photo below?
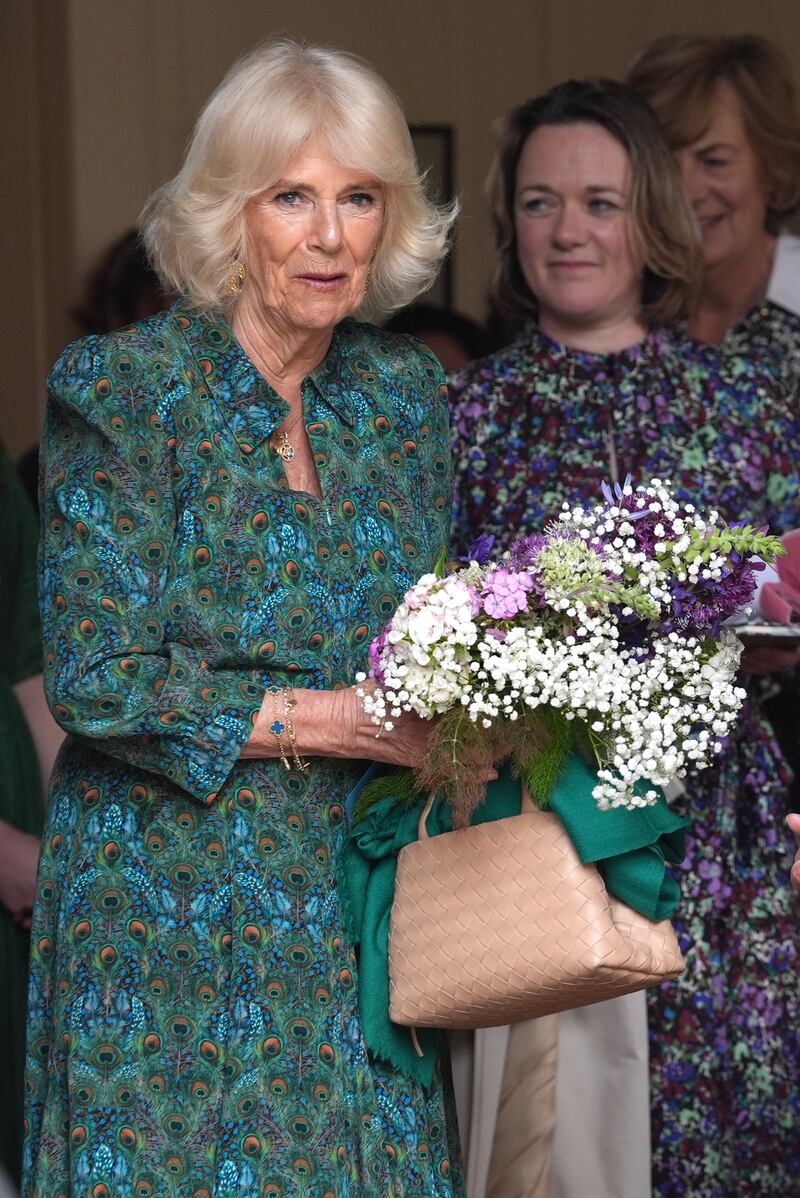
point(651, 712)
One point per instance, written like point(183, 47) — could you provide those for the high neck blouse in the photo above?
point(538, 424)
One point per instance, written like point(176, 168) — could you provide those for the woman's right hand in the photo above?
point(404, 743)
point(334, 724)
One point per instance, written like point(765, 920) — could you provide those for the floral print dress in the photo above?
point(773, 330)
point(194, 1023)
point(536, 425)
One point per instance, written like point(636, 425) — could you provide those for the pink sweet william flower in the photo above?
point(376, 657)
point(505, 593)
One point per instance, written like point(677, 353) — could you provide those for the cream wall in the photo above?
point(106, 91)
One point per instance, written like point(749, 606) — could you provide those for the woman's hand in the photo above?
point(769, 661)
point(404, 743)
point(794, 824)
point(19, 858)
point(334, 724)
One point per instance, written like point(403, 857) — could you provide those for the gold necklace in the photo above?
point(284, 447)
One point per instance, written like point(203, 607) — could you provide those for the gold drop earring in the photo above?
point(236, 281)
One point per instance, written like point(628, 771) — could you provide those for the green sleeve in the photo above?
point(21, 642)
point(112, 672)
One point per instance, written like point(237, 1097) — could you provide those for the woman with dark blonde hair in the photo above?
point(728, 108)
point(726, 1079)
point(597, 249)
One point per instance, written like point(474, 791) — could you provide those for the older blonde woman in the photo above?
point(238, 492)
point(728, 107)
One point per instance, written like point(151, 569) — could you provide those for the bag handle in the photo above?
point(422, 830)
point(526, 807)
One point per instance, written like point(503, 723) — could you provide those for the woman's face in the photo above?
point(725, 182)
point(311, 239)
point(573, 226)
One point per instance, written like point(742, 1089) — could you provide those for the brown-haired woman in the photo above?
point(661, 231)
point(596, 244)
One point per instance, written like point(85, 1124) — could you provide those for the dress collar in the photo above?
point(594, 365)
point(252, 407)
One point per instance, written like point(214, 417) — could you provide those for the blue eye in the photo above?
point(361, 199)
point(289, 198)
point(600, 205)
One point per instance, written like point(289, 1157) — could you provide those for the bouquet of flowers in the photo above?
point(605, 635)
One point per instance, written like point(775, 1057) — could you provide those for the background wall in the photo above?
point(98, 98)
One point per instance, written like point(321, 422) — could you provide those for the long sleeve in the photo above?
point(119, 668)
point(778, 425)
point(752, 422)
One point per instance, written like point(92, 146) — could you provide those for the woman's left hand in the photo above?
point(794, 824)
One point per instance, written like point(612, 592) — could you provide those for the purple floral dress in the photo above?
point(535, 425)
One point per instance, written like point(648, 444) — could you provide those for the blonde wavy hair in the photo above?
point(677, 76)
point(271, 101)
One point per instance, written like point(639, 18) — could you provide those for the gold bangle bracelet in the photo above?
point(278, 726)
point(289, 705)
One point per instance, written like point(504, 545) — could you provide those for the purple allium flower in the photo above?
point(525, 551)
point(702, 609)
point(504, 593)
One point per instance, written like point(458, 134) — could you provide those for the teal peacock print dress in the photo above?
point(193, 1007)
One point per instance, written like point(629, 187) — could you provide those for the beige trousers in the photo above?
point(505, 1083)
point(557, 1107)
point(603, 1089)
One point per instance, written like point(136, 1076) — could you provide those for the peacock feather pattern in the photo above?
point(193, 1008)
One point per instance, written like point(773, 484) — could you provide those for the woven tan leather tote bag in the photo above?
point(502, 921)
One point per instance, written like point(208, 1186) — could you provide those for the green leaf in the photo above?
point(541, 772)
point(441, 563)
